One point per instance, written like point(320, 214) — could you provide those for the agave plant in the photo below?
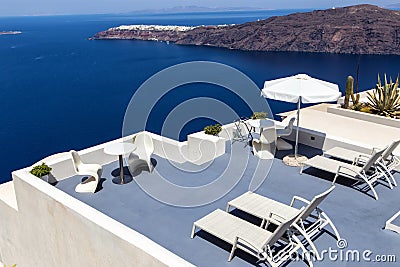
point(384, 100)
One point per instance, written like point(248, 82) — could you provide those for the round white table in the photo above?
point(265, 123)
point(120, 149)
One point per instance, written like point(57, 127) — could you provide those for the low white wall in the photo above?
point(48, 227)
point(51, 228)
point(9, 230)
point(364, 116)
point(169, 148)
point(203, 147)
point(308, 137)
point(199, 148)
point(61, 163)
point(38, 231)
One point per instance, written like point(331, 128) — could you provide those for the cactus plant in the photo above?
point(349, 90)
point(384, 100)
point(355, 98)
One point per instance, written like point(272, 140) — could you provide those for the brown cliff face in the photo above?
point(361, 29)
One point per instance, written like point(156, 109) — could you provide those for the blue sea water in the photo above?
point(60, 91)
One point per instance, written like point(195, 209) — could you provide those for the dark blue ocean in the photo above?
point(60, 91)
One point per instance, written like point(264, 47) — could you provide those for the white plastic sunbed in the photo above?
point(310, 221)
point(393, 223)
point(388, 162)
point(369, 173)
point(251, 238)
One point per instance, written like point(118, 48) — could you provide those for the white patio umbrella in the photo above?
point(300, 88)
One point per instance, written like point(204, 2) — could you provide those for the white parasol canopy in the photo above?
point(300, 88)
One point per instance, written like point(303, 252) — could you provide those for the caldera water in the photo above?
point(60, 91)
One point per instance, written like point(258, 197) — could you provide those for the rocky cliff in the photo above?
point(361, 29)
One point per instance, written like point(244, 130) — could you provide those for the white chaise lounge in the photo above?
point(251, 238)
point(393, 224)
point(311, 221)
point(388, 162)
point(369, 173)
point(94, 172)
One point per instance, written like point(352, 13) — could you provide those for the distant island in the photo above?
point(195, 9)
point(9, 32)
point(360, 29)
point(397, 5)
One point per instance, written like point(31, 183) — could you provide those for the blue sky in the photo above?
point(45, 7)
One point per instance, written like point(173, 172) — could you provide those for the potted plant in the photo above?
point(213, 129)
point(259, 115)
point(41, 171)
point(384, 100)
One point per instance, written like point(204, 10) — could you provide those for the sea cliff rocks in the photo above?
point(361, 29)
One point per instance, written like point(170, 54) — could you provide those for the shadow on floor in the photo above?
point(304, 150)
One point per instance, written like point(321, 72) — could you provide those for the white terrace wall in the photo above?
point(51, 228)
point(198, 149)
point(43, 226)
point(364, 116)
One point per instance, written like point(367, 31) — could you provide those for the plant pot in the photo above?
point(45, 178)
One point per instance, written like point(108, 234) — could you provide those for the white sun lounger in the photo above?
point(389, 162)
point(310, 221)
point(251, 238)
point(393, 223)
point(369, 173)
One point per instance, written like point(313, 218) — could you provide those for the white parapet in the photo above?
point(38, 220)
point(364, 116)
point(203, 147)
point(51, 228)
point(325, 130)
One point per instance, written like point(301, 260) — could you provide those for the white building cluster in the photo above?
point(153, 28)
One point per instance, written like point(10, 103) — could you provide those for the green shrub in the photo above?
point(41, 170)
point(259, 115)
point(213, 129)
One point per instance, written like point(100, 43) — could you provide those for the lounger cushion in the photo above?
point(331, 165)
point(261, 206)
point(345, 154)
point(226, 227)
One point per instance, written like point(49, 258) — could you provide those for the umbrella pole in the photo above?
point(297, 130)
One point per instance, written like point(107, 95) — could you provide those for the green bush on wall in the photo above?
point(213, 129)
point(259, 115)
point(41, 170)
